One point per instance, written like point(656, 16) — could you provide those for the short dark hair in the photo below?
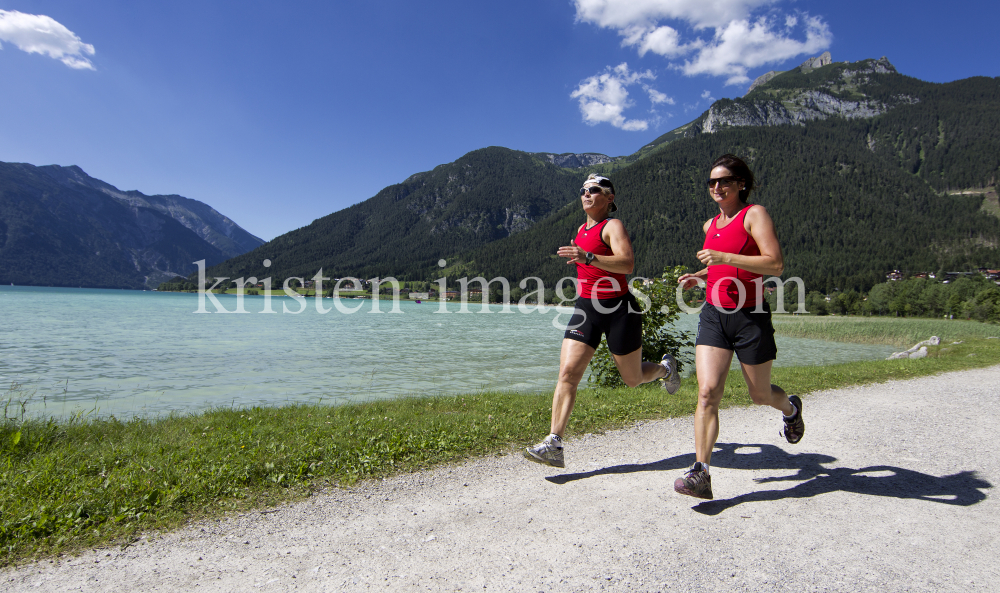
point(738, 168)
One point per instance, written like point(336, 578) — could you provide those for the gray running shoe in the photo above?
point(795, 427)
point(672, 381)
point(696, 482)
point(547, 452)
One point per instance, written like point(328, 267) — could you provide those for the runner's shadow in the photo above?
point(961, 489)
point(673, 463)
point(727, 455)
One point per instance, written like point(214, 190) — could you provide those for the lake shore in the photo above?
point(79, 483)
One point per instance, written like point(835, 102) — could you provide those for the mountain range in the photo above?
point(61, 227)
point(863, 169)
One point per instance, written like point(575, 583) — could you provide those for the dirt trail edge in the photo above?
point(890, 490)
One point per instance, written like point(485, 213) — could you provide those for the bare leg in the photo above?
point(573, 361)
point(712, 367)
point(762, 392)
point(636, 372)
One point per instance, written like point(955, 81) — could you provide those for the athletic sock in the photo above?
point(794, 412)
point(704, 466)
point(557, 440)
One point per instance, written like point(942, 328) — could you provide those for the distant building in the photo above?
point(951, 276)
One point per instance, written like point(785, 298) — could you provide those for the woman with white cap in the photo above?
point(603, 256)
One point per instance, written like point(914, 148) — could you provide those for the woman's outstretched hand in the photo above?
point(572, 252)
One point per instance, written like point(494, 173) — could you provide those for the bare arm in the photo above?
point(770, 261)
point(621, 260)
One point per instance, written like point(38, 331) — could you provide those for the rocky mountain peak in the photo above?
point(824, 59)
point(796, 99)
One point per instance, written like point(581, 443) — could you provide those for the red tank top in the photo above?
point(591, 278)
point(724, 283)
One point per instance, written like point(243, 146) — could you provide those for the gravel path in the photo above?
point(888, 491)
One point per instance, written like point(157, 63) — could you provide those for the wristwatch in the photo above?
point(589, 258)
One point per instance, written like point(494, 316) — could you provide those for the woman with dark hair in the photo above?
point(740, 248)
point(603, 256)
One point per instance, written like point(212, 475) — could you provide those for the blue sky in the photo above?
point(277, 113)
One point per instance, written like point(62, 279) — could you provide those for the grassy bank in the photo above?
point(95, 482)
point(903, 332)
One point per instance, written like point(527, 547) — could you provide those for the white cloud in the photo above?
point(622, 14)
point(40, 34)
point(603, 98)
point(656, 97)
point(706, 94)
point(742, 45)
point(664, 41)
point(739, 42)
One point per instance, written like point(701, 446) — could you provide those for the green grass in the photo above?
point(896, 331)
point(77, 483)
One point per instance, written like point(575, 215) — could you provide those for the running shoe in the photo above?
point(794, 426)
point(696, 482)
point(672, 381)
point(547, 452)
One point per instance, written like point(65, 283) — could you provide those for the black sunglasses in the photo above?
point(723, 180)
point(593, 189)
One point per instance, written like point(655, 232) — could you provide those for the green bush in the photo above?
point(816, 303)
point(659, 336)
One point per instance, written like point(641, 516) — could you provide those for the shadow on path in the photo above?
point(962, 489)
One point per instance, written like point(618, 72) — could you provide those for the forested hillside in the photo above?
point(844, 215)
point(54, 233)
point(486, 195)
point(950, 138)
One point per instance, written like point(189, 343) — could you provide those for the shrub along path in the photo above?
point(890, 490)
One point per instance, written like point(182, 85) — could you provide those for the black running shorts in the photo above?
point(749, 334)
point(622, 325)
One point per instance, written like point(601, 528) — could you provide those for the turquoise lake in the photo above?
point(126, 353)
